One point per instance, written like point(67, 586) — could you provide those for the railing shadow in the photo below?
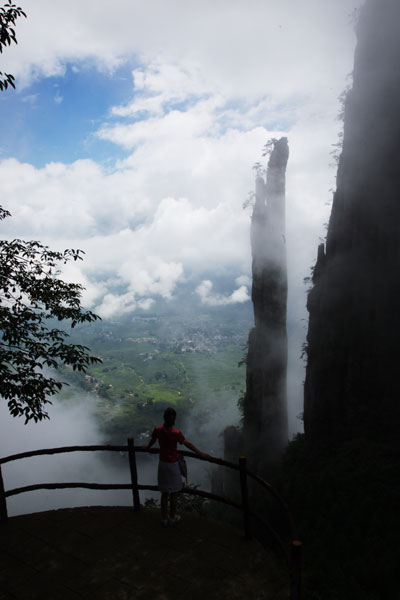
point(291, 550)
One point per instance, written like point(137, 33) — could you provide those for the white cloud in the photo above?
point(237, 45)
point(112, 304)
point(243, 280)
point(239, 296)
point(205, 98)
point(93, 290)
point(205, 291)
point(139, 243)
point(160, 85)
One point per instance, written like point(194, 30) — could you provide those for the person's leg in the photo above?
point(164, 506)
point(173, 503)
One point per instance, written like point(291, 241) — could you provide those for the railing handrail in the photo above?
point(293, 557)
point(111, 448)
point(115, 486)
point(124, 448)
point(62, 450)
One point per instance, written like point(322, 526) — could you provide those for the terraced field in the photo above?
point(150, 362)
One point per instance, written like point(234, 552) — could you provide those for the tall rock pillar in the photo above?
point(352, 378)
point(265, 431)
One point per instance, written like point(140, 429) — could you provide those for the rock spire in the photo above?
point(264, 407)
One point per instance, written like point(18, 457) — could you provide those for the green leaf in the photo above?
point(31, 295)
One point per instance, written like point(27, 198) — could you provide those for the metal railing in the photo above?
point(291, 550)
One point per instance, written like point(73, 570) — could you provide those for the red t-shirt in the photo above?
point(168, 438)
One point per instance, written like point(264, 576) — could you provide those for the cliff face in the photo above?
point(354, 328)
point(264, 410)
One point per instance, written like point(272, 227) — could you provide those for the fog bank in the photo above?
point(72, 422)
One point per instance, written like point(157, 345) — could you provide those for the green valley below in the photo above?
point(154, 361)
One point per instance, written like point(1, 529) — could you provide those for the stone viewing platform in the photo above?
point(115, 553)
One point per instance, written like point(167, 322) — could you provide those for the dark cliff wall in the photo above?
point(352, 377)
point(264, 409)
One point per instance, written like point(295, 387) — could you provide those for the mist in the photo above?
point(72, 422)
point(205, 427)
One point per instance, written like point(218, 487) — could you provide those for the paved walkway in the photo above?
point(113, 553)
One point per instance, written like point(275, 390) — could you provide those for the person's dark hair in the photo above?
point(169, 416)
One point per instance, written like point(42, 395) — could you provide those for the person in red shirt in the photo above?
point(169, 474)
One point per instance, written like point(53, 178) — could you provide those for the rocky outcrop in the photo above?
point(352, 377)
point(264, 407)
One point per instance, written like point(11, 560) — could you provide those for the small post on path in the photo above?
point(133, 470)
point(3, 501)
point(245, 497)
point(297, 548)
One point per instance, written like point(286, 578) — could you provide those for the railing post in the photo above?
point(245, 497)
point(133, 470)
point(3, 501)
point(297, 548)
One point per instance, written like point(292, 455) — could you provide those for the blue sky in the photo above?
point(55, 119)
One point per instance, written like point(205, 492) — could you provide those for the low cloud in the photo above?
point(118, 305)
point(210, 298)
point(243, 280)
point(72, 422)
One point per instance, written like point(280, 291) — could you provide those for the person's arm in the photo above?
point(193, 447)
point(151, 442)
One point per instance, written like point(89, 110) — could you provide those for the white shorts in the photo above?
point(169, 477)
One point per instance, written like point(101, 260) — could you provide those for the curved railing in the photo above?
point(291, 551)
